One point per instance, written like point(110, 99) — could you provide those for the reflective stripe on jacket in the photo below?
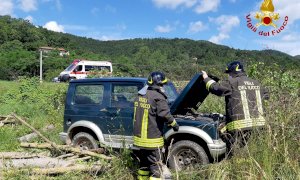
point(151, 111)
point(243, 98)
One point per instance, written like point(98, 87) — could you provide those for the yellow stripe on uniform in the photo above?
point(145, 124)
point(258, 102)
point(209, 83)
point(240, 124)
point(245, 104)
point(173, 123)
point(154, 178)
point(143, 177)
point(134, 112)
point(143, 172)
point(150, 143)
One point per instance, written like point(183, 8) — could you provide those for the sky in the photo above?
point(222, 22)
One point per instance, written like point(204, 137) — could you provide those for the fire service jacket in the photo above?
point(151, 111)
point(243, 98)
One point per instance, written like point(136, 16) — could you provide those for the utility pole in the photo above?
point(41, 66)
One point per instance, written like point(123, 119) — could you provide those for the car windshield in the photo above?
point(71, 67)
point(171, 92)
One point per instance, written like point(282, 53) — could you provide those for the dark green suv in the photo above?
point(100, 112)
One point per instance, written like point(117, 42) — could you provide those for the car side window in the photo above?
point(89, 68)
point(79, 68)
point(123, 95)
point(88, 94)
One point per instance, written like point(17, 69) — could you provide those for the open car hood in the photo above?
point(191, 97)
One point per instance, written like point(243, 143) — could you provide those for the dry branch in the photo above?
point(30, 136)
point(80, 159)
point(37, 162)
point(73, 157)
point(36, 131)
point(61, 170)
point(6, 120)
point(65, 148)
point(65, 156)
point(3, 118)
point(17, 155)
point(27, 137)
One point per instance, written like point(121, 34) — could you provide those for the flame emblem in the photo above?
point(266, 16)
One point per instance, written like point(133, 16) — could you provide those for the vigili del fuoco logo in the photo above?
point(266, 17)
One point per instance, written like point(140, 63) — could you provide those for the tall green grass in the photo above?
point(40, 104)
point(273, 153)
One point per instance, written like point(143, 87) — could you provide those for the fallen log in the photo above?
point(65, 148)
point(79, 159)
point(65, 156)
point(73, 157)
point(3, 118)
point(36, 131)
point(6, 120)
point(30, 136)
point(18, 155)
point(35, 162)
point(61, 170)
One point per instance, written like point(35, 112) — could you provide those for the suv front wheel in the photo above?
point(85, 141)
point(185, 154)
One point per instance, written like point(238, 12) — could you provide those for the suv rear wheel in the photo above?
point(85, 141)
point(186, 154)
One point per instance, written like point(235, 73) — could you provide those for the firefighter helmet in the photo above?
point(234, 67)
point(157, 78)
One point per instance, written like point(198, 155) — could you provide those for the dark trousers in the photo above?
point(235, 139)
point(150, 160)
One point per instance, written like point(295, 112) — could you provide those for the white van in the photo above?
point(80, 69)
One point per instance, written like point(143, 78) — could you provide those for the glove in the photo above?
point(175, 127)
point(204, 75)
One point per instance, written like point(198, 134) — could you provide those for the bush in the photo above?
point(40, 103)
point(32, 97)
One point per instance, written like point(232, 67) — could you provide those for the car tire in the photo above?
point(64, 78)
point(184, 154)
point(85, 141)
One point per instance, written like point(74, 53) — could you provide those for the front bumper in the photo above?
point(217, 148)
point(56, 79)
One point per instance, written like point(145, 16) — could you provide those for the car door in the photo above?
point(120, 108)
point(87, 103)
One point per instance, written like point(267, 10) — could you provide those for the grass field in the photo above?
point(271, 154)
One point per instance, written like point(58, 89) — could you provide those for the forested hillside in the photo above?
point(179, 58)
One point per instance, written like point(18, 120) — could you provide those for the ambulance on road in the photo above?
point(80, 69)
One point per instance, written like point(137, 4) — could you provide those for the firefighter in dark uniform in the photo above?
point(243, 98)
point(151, 111)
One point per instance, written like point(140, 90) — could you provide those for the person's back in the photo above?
point(148, 131)
point(243, 97)
point(244, 103)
